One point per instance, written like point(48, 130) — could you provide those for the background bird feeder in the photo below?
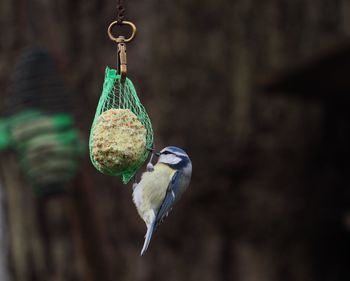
point(39, 125)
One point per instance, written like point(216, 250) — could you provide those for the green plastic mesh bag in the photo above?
point(121, 132)
point(48, 148)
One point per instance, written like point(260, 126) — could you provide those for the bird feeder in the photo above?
point(39, 124)
point(121, 133)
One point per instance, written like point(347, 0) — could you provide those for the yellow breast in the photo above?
point(150, 192)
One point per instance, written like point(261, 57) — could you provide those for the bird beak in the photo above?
point(154, 153)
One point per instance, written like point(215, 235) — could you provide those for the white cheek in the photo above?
point(169, 159)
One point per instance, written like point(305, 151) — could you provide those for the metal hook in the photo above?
point(122, 62)
point(117, 39)
point(121, 40)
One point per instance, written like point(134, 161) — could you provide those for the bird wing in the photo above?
point(170, 197)
point(165, 207)
point(148, 236)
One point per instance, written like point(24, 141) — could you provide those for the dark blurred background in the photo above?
point(256, 92)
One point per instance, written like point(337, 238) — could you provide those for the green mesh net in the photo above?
point(48, 147)
point(121, 132)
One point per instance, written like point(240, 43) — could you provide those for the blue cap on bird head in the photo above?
point(174, 157)
point(174, 150)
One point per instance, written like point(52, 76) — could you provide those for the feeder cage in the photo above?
point(40, 124)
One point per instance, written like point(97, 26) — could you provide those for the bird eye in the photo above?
point(166, 152)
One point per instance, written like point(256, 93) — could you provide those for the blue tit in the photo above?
point(160, 187)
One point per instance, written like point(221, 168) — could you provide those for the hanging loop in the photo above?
point(120, 11)
point(117, 39)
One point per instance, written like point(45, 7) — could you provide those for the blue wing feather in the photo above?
point(170, 197)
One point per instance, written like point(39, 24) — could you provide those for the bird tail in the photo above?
point(148, 237)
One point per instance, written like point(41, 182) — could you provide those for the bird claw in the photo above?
point(150, 167)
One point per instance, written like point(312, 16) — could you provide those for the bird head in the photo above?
point(174, 157)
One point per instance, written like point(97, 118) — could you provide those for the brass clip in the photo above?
point(126, 23)
point(122, 62)
point(121, 41)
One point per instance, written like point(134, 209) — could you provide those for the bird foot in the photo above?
point(150, 167)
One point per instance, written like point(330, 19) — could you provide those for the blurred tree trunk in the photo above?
point(4, 271)
point(259, 208)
